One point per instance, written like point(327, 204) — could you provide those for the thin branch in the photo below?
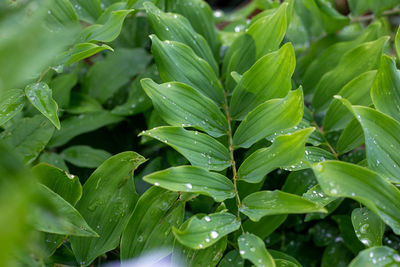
point(372, 16)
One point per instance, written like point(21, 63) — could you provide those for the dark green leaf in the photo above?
point(53, 159)
point(85, 156)
point(253, 249)
point(231, 259)
point(368, 226)
point(11, 103)
point(265, 226)
point(351, 137)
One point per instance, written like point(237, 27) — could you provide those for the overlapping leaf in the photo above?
point(368, 226)
point(11, 102)
point(253, 249)
point(85, 156)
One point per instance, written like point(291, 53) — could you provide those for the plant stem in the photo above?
point(372, 16)
point(231, 149)
point(43, 74)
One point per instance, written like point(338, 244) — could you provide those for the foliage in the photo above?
point(265, 136)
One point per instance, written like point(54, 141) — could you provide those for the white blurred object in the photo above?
point(159, 258)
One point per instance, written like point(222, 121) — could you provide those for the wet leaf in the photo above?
point(11, 103)
point(376, 257)
point(253, 249)
point(368, 226)
point(85, 156)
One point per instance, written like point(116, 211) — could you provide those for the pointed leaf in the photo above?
point(181, 105)
point(107, 201)
point(343, 179)
point(201, 232)
point(368, 226)
point(376, 257)
point(231, 259)
point(351, 137)
point(87, 10)
point(268, 78)
point(265, 226)
point(385, 91)
point(149, 226)
point(253, 249)
point(11, 102)
point(200, 149)
point(177, 62)
point(40, 95)
point(85, 156)
point(276, 115)
point(193, 179)
point(286, 150)
point(82, 51)
point(363, 58)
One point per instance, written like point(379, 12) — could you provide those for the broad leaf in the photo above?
point(85, 156)
point(253, 249)
point(231, 259)
point(181, 105)
point(203, 231)
point(107, 201)
point(275, 115)
point(62, 86)
point(376, 257)
point(82, 51)
point(40, 95)
point(282, 259)
point(268, 78)
point(11, 103)
point(351, 137)
point(28, 137)
point(265, 226)
point(363, 58)
point(385, 92)
point(53, 159)
point(262, 203)
point(342, 179)
point(368, 226)
point(397, 42)
point(87, 10)
point(61, 14)
point(200, 149)
point(195, 180)
point(177, 62)
point(286, 150)
point(149, 226)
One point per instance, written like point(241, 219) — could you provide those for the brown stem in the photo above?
point(372, 16)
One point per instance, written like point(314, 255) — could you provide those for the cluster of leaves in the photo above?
point(271, 141)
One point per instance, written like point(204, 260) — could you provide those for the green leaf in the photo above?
point(357, 92)
point(40, 95)
point(62, 86)
point(282, 259)
point(61, 14)
point(231, 259)
point(351, 137)
point(312, 155)
point(380, 141)
point(376, 257)
point(107, 201)
point(104, 79)
point(262, 203)
point(347, 233)
point(11, 103)
point(175, 27)
point(318, 196)
point(59, 217)
point(203, 231)
point(82, 51)
point(87, 10)
point(85, 156)
point(200, 149)
point(108, 31)
point(343, 179)
point(368, 226)
point(265, 226)
point(363, 58)
point(177, 62)
point(65, 185)
point(28, 137)
point(181, 105)
point(268, 78)
point(53, 159)
point(285, 150)
point(149, 226)
point(76, 125)
point(385, 91)
point(253, 249)
point(276, 115)
point(195, 180)
point(336, 254)
point(397, 42)
point(82, 103)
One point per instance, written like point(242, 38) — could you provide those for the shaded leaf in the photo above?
point(81, 51)
point(368, 226)
point(351, 137)
point(231, 259)
point(265, 226)
point(85, 156)
point(11, 103)
point(253, 249)
point(87, 10)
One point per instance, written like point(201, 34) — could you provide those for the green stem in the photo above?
point(372, 16)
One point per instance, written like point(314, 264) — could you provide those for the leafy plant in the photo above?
point(264, 136)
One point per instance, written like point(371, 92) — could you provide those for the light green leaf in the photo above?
point(11, 103)
point(40, 95)
point(276, 115)
point(382, 144)
point(175, 27)
point(376, 257)
point(149, 226)
point(109, 31)
point(104, 79)
point(87, 10)
point(253, 249)
point(107, 201)
point(28, 137)
point(203, 231)
point(76, 125)
point(343, 179)
point(85, 156)
point(318, 196)
point(59, 217)
point(385, 91)
point(286, 150)
point(363, 58)
point(312, 154)
point(177, 62)
point(268, 78)
point(262, 203)
point(351, 137)
point(357, 92)
point(231, 259)
point(200, 149)
point(181, 105)
point(397, 42)
point(195, 180)
point(82, 51)
point(368, 226)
